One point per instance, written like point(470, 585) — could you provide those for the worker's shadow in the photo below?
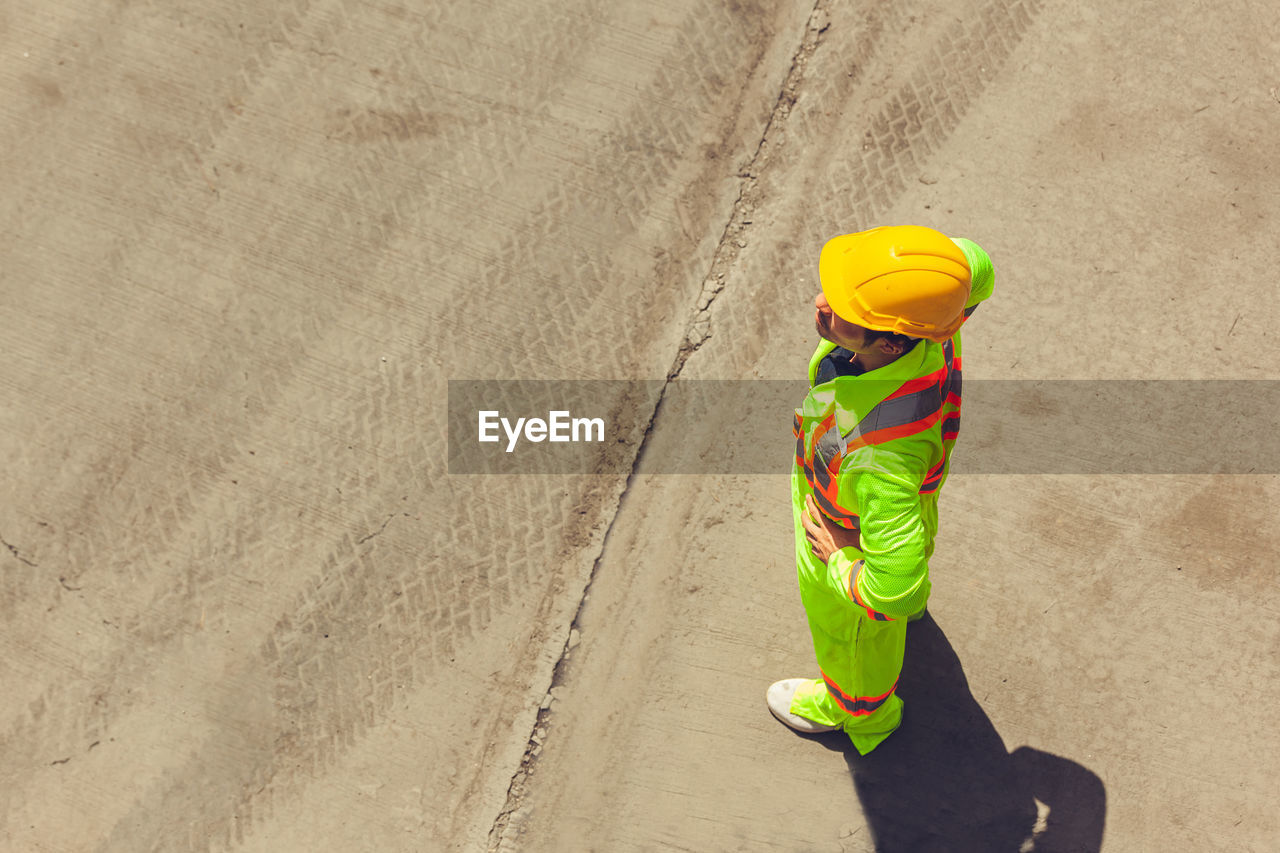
point(945, 782)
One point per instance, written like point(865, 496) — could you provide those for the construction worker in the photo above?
point(873, 446)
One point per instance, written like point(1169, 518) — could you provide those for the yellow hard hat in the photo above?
point(903, 278)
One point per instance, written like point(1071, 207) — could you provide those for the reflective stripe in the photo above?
point(951, 394)
point(857, 599)
point(919, 384)
point(898, 417)
point(951, 390)
point(831, 510)
point(934, 478)
point(820, 471)
point(827, 453)
point(858, 706)
point(915, 406)
point(951, 427)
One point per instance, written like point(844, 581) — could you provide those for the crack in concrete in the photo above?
point(542, 724)
point(696, 335)
point(13, 550)
point(378, 532)
point(732, 238)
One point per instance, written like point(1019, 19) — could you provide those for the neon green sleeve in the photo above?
point(894, 579)
point(982, 273)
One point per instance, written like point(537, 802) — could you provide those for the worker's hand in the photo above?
point(824, 535)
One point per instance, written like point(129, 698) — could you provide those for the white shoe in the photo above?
point(779, 699)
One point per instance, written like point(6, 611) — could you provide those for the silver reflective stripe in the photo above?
point(897, 412)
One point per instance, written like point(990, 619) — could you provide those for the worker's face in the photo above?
point(840, 331)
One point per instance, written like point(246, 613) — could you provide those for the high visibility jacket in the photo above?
point(873, 450)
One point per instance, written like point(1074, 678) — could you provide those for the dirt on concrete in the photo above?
point(245, 603)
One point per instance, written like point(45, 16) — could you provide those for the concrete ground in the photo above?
point(244, 603)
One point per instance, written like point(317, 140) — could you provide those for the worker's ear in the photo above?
point(889, 346)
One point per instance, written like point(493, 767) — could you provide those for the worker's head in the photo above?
point(858, 339)
point(907, 280)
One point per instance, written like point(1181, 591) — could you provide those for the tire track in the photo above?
point(112, 529)
point(136, 530)
point(319, 721)
point(287, 651)
point(61, 713)
point(507, 824)
point(896, 118)
point(922, 113)
point(586, 226)
point(94, 79)
point(104, 524)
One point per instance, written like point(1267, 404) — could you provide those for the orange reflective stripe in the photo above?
point(858, 706)
point(882, 436)
point(822, 473)
point(835, 512)
point(798, 432)
point(823, 468)
point(951, 391)
point(919, 384)
point(951, 394)
point(819, 476)
point(828, 498)
point(898, 417)
point(951, 426)
point(934, 477)
point(857, 599)
point(952, 401)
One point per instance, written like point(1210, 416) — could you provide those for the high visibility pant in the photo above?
point(860, 658)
